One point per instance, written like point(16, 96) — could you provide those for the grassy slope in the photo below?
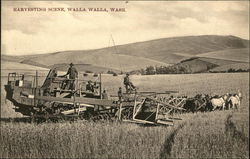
point(197, 65)
point(11, 58)
point(7, 67)
point(108, 60)
point(162, 48)
point(219, 62)
point(240, 55)
point(15, 66)
point(235, 66)
point(83, 68)
point(225, 59)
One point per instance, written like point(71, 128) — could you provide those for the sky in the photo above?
point(35, 32)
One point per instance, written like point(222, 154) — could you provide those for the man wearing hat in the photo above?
point(90, 87)
point(105, 94)
point(128, 85)
point(120, 94)
point(73, 74)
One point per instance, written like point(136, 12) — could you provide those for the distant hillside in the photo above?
point(8, 66)
point(33, 63)
point(204, 64)
point(219, 62)
point(235, 66)
point(197, 65)
point(214, 61)
point(83, 68)
point(134, 56)
point(106, 60)
point(12, 58)
point(165, 50)
point(241, 55)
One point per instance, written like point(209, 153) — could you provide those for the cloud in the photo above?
point(44, 32)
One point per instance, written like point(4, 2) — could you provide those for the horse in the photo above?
point(197, 103)
point(234, 100)
point(239, 95)
point(219, 102)
point(201, 102)
point(190, 105)
point(208, 106)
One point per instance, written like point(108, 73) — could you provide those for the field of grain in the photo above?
point(219, 134)
point(186, 84)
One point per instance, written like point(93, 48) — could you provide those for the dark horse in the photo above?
point(198, 103)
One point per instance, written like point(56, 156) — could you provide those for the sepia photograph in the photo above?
point(124, 79)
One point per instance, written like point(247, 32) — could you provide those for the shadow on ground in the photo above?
point(167, 146)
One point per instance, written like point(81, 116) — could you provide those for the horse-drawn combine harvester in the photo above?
point(53, 100)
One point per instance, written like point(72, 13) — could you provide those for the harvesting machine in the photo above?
point(54, 100)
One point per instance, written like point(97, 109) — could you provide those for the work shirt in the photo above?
point(119, 93)
point(89, 87)
point(105, 95)
point(126, 80)
point(72, 72)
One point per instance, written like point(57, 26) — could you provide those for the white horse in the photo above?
point(219, 102)
point(234, 100)
point(239, 95)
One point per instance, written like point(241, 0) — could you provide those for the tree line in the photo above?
point(175, 69)
point(231, 70)
point(178, 69)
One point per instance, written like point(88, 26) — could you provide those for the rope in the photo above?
point(116, 52)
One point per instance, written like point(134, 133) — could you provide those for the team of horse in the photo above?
point(205, 102)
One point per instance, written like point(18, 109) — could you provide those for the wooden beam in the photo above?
point(138, 108)
point(139, 122)
point(80, 100)
point(171, 106)
point(144, 121)
point(72, 111)
point(120, 111)
point(165, 122)
point(157, 111)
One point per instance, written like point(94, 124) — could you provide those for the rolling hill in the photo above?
point(106, 60)
point(159, 52)
point(218, 61)
point(9, 66)
point(84, 68)
point(165, 50)
point(203, 64)
point(241, 55)
point(235, 66)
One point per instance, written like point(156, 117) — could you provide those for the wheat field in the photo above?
point(218, 134)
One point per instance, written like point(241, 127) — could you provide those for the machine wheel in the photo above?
point(127, 113)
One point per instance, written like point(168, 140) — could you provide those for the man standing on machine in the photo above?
point(73, 74)
point(128, 85)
